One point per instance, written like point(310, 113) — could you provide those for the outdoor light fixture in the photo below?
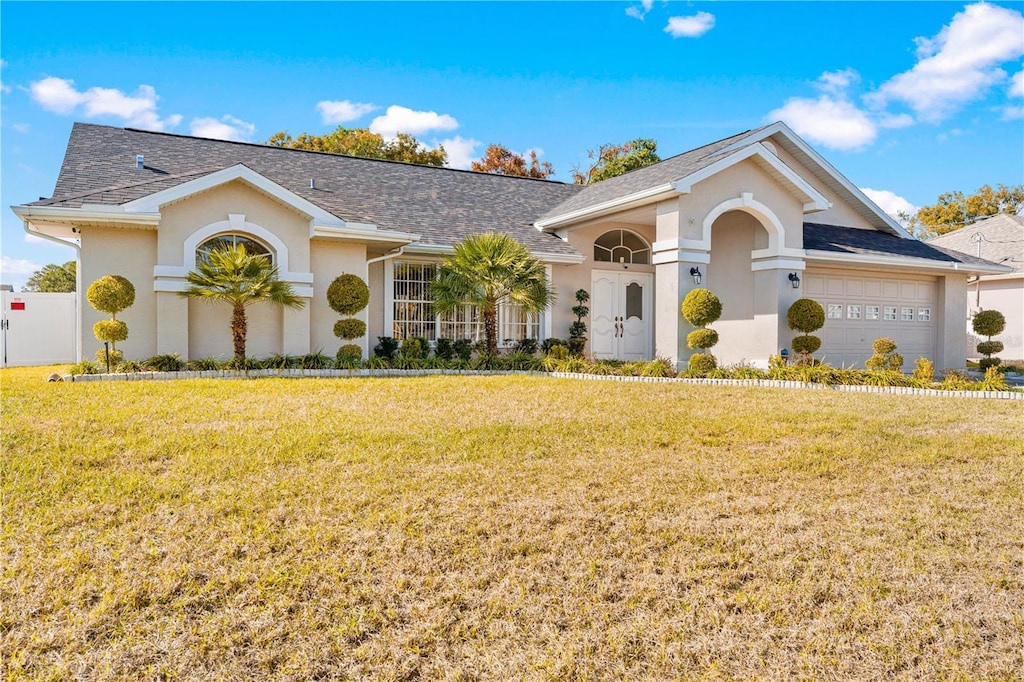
point(695, 273)
point(795, 279)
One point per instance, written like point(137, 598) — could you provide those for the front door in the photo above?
point(620, 315)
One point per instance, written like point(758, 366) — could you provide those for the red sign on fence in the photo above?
point(17, 305)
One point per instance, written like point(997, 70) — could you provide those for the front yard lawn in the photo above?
point(501, 528)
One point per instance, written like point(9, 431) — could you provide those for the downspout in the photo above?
point(378, 259)
point(79, 294)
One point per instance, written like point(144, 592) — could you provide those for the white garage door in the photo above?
point(862, 307)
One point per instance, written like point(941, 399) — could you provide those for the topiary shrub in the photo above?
point(806, 315)
point(116, 357)
point(885, 357)
point(349, 328)
point(110, 294)
point(702, 363)
point(578, 329)
point(348, 356)
point(348, 294)
point(989, 323)
point(700, 308)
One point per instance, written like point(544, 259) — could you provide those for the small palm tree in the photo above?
point(238, 278)
point(485, 270)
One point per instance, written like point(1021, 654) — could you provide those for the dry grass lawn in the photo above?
point(494, 528)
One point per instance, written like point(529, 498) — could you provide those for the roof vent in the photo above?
point(139, 162)
point(312, 183)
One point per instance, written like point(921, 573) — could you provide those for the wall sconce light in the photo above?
point(795, 280)
point(622, 262)
point(695, 273)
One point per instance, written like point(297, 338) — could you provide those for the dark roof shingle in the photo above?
point(854, 240)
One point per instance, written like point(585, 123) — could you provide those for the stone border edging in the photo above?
point(355, 373)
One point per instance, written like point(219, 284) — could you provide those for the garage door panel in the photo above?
point(860, 309)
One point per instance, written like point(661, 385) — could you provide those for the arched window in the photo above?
point(622, 246)
point(231, 239)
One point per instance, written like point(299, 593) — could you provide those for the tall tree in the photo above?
point(612, 160)
point(364, 143)
point(240, 279)
point(485, 270)
point(953, 210)
point(502, 161)
point(52, 279)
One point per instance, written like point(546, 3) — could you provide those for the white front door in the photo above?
point(620, 315)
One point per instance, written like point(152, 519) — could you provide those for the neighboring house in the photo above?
point(753, 214)
point(999, 238)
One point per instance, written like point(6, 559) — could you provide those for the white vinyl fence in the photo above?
point(38, 329)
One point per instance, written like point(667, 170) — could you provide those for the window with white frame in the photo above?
point(835, 311)
point(906, 315)
point(224, 241)
point(871, 312)
point(889, 312)
point(853, 312)
point(414, 311)
point(622, 246)
point(924, 314)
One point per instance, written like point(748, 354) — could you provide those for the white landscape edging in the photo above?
point(356, 373)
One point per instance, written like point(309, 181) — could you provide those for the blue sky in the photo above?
point(906, 99)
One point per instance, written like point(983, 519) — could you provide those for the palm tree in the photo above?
point(232, 275)
point(485, 270)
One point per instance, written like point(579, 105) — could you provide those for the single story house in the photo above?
point(1000, 239)
point(760, 218)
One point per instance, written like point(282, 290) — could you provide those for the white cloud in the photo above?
point(337, 112)
point(895, 121)
point(227, 127)
point(60, 96)
point(837, 82)
point(1017, 85)
point(958, 65)
point(15, 271)
point(399, 119)
point(830, 121)
point(1012, 113)
point(6, 89)
point(690, 27)
point(641, 11)
point(890, 202)
point(22, 128)
point(461, 151)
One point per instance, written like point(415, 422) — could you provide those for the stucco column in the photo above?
point(171, 324)
point(951, 324)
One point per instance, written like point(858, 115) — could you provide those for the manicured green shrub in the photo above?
point(349, 328)
point(83, 367)
point(412, 349)
point(547, 344)
point(463, 349)
point(578, 329)
point(111, 294)
point(559, 352)
point(885, 357)
point(806, 344)
point(110, 330)
point(348, 355)
point(924, 370)
point(526, 346)
point(701, 307)
point(444, 349)
point(169, 362)
point(989, 323)
point(116, 357)
point(805, 315)
point(386, 347)
point(702, 338)
point(348, 294)
point(702, 363)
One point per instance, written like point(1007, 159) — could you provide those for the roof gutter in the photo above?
point(905, 262)
point(554, 258)
point(626, 202)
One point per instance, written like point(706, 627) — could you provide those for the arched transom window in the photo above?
point(622, 246)
point(225, 240)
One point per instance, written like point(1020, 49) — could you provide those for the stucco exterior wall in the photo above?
point(840, 213)
point(131, 254)
point(378, 302)
point(1006, 296)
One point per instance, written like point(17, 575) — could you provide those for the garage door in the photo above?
point(860, 308)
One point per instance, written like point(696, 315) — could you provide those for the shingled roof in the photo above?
point(662, 173)
point(853, 240)
point(1002, 240)
point(443, 205)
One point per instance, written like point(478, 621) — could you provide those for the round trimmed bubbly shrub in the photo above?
point(883, 346)
point(116, 357)
point(111, 294)
point(701, 307)
point(985, 363)
point(990, 347)
point(805, 315)
point(702, 363)
point(349, 328)
point(988, 323)
point(350, 353)
point(110, 330)
point(348, 294)
point(806, 344)
point(702, 338)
